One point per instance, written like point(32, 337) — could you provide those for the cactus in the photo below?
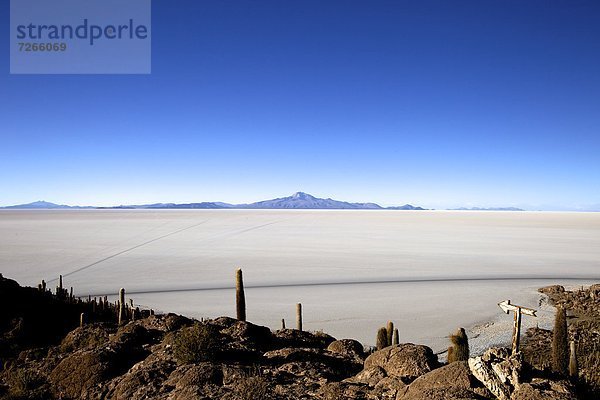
point(396, 338)
point(282, 323)
point(299, 316)
point(573, 365)
point(121, 306)
point(451, 357)
point(390, 332)
point(240, 298)
point(560, 345)
point(460, 346)
point(382, 338)
point(81, 320)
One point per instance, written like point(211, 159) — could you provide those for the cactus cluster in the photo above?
point(387, 336)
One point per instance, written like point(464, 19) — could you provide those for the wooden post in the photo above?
point(299, 316)
point(518, 310)
point(121, 306)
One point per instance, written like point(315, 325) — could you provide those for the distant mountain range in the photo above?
point(488, 209)
point(298, 200)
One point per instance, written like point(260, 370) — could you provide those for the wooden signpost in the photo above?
point(518, 310)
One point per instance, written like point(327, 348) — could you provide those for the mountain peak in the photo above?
point(302, 195)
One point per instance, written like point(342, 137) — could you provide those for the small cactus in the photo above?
point(81, 320)
point(240, 298)
point(282, 323)
point(382, 336)
point(396, 338)
point(460, 346)
point(573, 365)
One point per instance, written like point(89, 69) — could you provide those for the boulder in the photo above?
point(347, 347)
point(81, 371)
point(450, 381)
point(86, 338)
point(405, 361)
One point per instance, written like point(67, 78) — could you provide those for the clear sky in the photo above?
point(434, 103)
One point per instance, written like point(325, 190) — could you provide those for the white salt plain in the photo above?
point(429, 271)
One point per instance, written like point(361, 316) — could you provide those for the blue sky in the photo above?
point(433, 103)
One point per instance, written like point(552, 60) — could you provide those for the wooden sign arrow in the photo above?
point(518, 310)
point(507, 307)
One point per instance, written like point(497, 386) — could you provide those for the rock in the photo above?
point(498, 370)
point(164, 322)
point(295, 338)
point(81, 371)
point(142, 381)
point(196, 375)
point(368, 376)
point(347, 347)
point(86, 338)
point(543, 389)
point(450, 381)
point(252, 336)
point(553, 289)
point(134, 335)
point(389, 387)
point(405, 361)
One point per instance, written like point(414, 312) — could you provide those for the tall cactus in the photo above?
point(240, 298)
point(390, 332)
point(560, 343)
point(382, 337)
point(299, 316)
point(396, 338)
point(122, 316)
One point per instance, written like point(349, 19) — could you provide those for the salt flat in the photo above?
point(349, 268)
